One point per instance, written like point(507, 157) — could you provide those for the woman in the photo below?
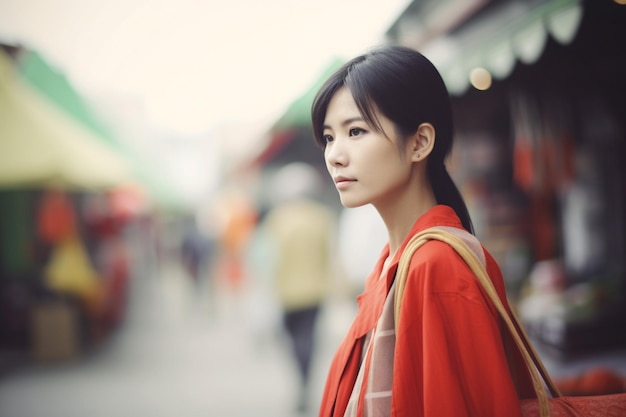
point(384, 121)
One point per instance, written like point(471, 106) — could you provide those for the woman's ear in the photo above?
point(422, 142)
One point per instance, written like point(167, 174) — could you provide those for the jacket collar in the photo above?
point(371, 301)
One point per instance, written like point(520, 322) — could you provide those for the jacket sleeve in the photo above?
point(449, 357)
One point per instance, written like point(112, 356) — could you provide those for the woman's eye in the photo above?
point(328, 138)
point(356, 131)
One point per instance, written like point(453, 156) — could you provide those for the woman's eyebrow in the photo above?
point(347, 122)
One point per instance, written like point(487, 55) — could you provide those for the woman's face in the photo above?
point(365, 164)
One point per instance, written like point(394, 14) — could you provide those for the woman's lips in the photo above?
point(343, 182)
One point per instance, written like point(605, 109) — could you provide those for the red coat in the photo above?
point(450, 359)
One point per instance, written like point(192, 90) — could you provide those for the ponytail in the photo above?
point(447, 193)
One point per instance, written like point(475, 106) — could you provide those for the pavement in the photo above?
point(181, 352)
point(178, 353)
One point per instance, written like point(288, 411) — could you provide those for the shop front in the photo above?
point(539, 155)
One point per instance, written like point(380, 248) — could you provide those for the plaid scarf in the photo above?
point(379, 348)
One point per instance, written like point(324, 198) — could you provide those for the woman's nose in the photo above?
point(336, 154)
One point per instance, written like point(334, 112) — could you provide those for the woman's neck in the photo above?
point(400, 216)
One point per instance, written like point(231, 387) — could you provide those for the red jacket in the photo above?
point(450, 356)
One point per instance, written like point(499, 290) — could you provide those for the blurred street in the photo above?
point(174, 355)
point(179, 354)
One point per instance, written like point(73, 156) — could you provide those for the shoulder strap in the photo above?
point(533, 362)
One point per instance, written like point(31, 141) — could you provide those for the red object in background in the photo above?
point(116, 271)
point(55, 216)
point(127, 202)
point(595, 381)
point(523, 163)
point(106, 213)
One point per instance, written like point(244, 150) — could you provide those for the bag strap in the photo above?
point(532, 359)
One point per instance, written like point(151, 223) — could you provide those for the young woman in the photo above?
point(384, 121)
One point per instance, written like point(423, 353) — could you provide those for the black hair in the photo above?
point(404, 86)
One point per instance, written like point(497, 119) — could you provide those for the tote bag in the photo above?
point(556, 405)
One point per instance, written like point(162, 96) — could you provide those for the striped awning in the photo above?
point(501, 35)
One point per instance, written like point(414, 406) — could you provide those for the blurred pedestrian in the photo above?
point(385, 123)
point(195, 251)
point(301, 231)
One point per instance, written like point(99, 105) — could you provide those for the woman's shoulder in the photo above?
point(438, 268)
point(437, 250)
point(435, 253)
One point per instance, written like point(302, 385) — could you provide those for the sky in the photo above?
point(204, 78)
point(197, 64)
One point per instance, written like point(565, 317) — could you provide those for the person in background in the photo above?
point(301, 232)
point(384, 121)
point(195, 251)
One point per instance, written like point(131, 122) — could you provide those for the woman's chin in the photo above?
point(352, 203)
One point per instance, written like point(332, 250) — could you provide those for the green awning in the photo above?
point(54, 85)
point(41, 146)
point(494, 38)
point(518, 34)
point(298, 114)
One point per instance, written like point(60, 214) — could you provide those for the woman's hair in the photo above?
point(407, 89)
